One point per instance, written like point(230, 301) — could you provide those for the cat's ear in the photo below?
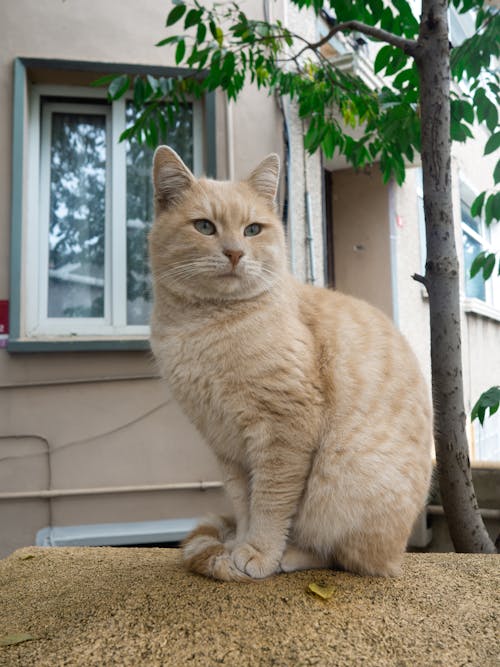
point(264, 178)
point(171, 177)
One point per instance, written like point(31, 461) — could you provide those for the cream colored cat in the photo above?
point(311, 400)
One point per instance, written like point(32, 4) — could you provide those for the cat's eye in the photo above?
point(205, 227)
point(253, 229)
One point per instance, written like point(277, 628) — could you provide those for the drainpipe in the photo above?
point(229, 140)
point(284, 106)
point(393, 240)
point(310, 239)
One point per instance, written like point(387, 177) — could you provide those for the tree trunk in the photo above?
point(465, 523)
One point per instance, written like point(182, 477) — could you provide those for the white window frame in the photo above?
point(36, 246)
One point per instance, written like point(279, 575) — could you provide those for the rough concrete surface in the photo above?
point(105, 606)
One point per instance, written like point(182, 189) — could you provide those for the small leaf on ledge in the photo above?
point(324, 592)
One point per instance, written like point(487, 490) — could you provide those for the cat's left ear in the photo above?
point(264, 178)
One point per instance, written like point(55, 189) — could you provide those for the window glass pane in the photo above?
point(487, 438)
point(140, 208)
point(474, 287)
point(473, 223)
point(77, 215)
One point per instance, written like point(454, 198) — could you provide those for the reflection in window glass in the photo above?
point(140, 208)
point(77, 215)
point(473, 223)
point(474, 287)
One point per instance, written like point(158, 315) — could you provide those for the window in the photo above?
point(82, 206)
point(89, 211)
point(476, 237)
point(486, 439)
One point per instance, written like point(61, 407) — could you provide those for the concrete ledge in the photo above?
point(135, 607)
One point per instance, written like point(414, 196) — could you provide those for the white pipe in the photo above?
point(291, 207)
point(310, 239)
point(486, 513)
point(229, 140)
point(105, 490)
point(393, 251)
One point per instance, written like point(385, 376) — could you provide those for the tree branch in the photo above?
point(419, 279)
point(407, 45)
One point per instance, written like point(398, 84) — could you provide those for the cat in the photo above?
point(312, 401)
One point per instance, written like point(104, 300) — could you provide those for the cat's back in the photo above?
point(366, 358)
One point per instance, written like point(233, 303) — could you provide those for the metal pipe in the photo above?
point(106, 490)
point(486, 513)
point(229, 140)
point(291, 204)
point(393, 252)
point(310, 239)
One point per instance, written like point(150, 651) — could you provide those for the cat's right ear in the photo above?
point(171, 177)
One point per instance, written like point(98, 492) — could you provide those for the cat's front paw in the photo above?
point(254, 563)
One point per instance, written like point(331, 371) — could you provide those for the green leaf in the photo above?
point(489, 265)
point(201, 33)
point(139, 91)
point(176, 14)
point(398, 60)
point(180, 51)
point(104, 80)
point(489, 399)
point(168, 40)
point(118, 86)
point(192, 18)
point(217, 33)
point(492, 144)
point(329, 142)
point(382, 58)
point(492, 208)
point(477, 264)
point(477, 205)
point(496, 173)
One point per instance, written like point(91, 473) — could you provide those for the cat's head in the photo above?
point(215, 239)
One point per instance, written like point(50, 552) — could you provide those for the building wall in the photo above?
point(361, 236)
point(480, 326)
point(80, 420)
point(77, 420)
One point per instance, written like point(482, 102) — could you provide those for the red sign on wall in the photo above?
point(4, 318)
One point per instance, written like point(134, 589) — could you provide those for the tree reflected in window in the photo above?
point(77, 215)
point(140, 207)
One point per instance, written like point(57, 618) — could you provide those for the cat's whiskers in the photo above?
point(188, 268)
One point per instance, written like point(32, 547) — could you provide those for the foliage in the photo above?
point(489, 399)
point(224, 48)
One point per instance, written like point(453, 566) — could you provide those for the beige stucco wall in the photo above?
point(412, 306)
point(105, 418)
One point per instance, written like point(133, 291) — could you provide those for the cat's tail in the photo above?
point(204, 550)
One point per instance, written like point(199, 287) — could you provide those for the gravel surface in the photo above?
point(134, 607)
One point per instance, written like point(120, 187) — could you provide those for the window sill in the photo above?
point(77, 344)
point(478, 307)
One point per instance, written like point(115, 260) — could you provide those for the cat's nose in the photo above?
point(234, 256)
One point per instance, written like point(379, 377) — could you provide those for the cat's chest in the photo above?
point(210, 373)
